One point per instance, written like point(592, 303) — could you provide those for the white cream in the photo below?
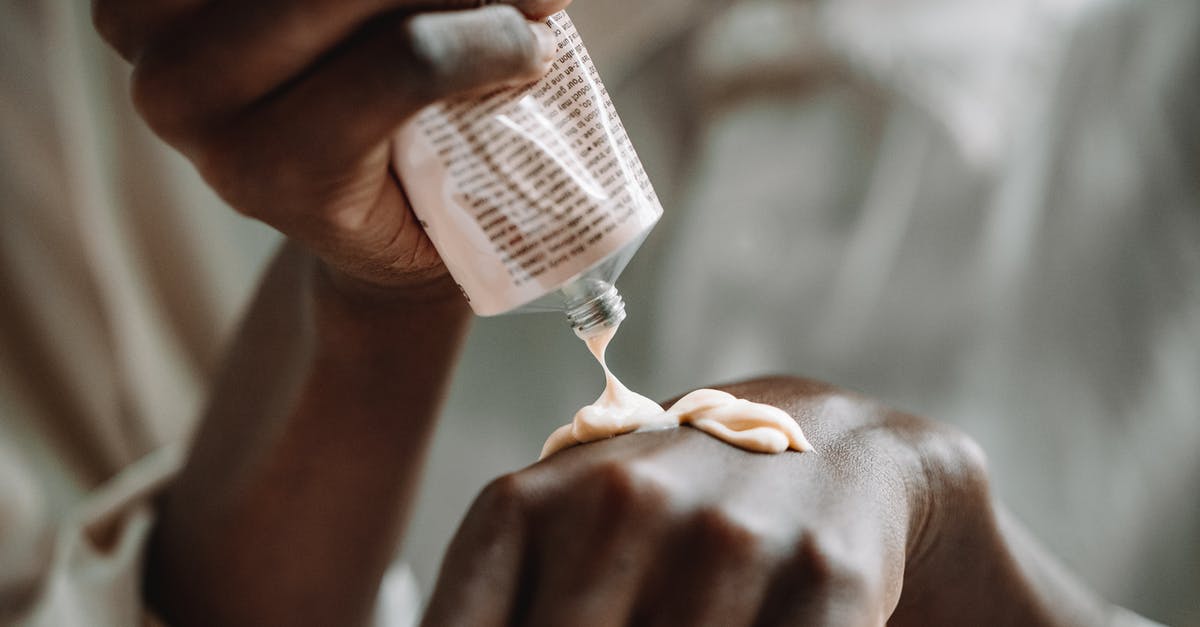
point(742, 423)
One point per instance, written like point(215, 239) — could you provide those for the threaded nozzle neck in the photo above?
point(599, 309)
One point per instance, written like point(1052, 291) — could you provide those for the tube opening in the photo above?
point(600, 307)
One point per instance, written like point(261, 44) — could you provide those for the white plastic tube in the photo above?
point(533, 196)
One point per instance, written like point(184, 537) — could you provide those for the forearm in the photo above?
point(1051, 592)
point(301, 477)
point(974, 563)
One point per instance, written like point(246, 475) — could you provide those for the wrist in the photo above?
point(956, 567)
point(970, 562)
point(430, 287)
point(367, 324)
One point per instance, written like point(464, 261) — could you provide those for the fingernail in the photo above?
point(547, 45)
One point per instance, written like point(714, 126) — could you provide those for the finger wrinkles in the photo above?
point(399, 247)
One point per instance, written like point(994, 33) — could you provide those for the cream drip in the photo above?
point(742, 423)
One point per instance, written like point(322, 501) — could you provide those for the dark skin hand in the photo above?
point(287, 107)
point(891, 521)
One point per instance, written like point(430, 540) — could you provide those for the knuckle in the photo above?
point(229, 171)
point(156, 99)
point(506, 493)
point(625, 486)
point(813, 556)
point(826, 567)
point(276, 181)
point(495, 517)
point(954, 461)
point(968, 458)
point(275, 178)
point(145, 91)
point(106, 19)
point(731, 533)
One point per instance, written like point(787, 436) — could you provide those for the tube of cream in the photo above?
point(533, 196)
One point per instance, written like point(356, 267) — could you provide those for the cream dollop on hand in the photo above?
point(742, 423)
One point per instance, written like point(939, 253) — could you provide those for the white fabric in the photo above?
point(95, 576)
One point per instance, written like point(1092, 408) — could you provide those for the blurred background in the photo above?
point(983, 212)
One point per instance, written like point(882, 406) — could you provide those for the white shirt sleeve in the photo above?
point(95, 579)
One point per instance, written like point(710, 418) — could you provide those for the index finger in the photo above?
point(481, 572)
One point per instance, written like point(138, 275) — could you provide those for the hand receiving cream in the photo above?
point(742, 423)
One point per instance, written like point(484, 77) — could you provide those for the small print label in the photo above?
point(523, 189)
